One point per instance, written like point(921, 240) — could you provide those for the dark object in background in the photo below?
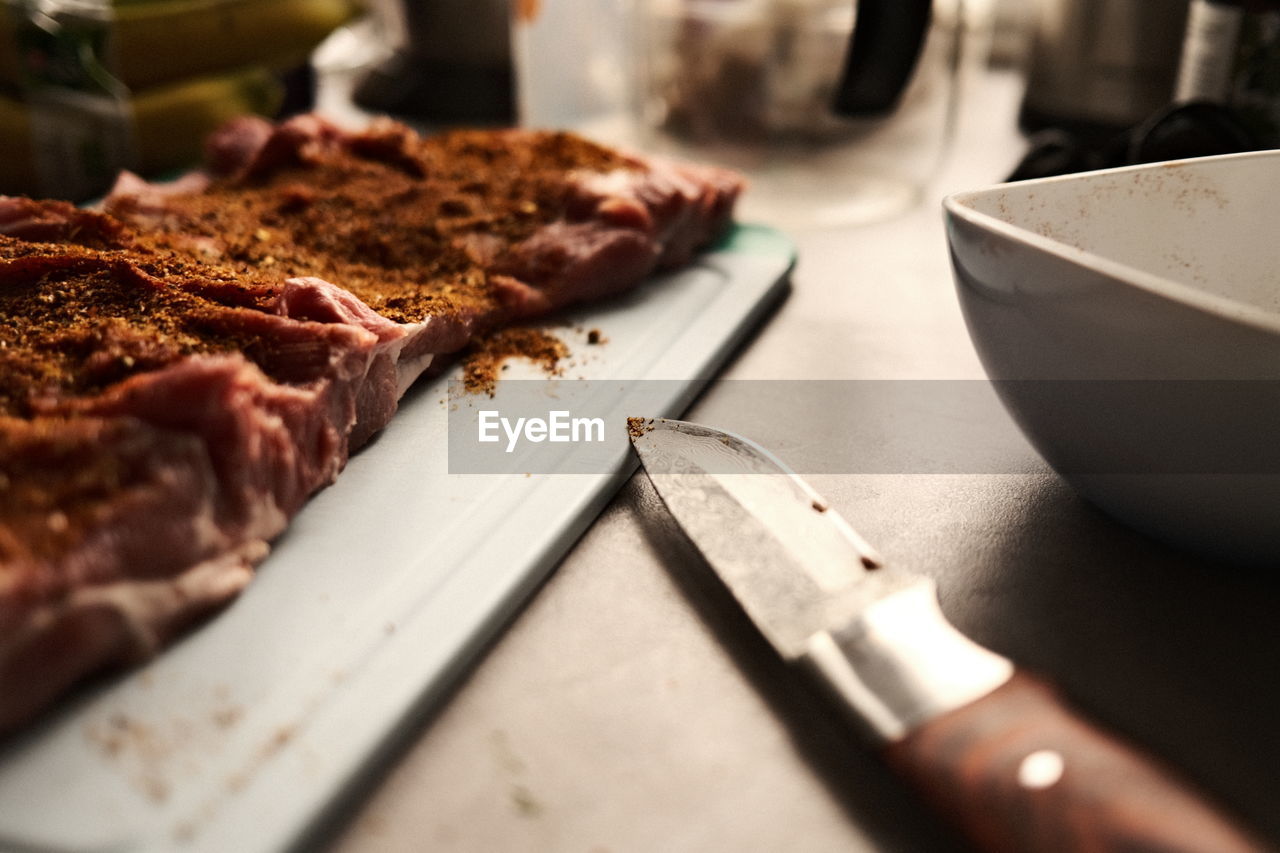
point(456, 67)
point(1231, 56)
point(884, 49)
point(1100, 66)
point(299, 91)
point(1196, 129)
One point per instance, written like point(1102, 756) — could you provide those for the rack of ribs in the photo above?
point(180, 371)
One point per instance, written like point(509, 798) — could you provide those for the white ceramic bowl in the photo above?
point(1130, 319)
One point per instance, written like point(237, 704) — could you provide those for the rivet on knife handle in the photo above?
point(1018, 771)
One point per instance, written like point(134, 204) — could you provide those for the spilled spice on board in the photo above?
point(486, 356)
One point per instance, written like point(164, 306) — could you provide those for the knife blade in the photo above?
point(992, 748)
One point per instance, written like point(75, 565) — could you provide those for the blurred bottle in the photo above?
point(89, 88)
point(1231, 57)
point(1100, 66)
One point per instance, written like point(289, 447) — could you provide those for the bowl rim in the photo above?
point(957, 204)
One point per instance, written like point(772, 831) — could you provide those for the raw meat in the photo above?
point(177, 377)
point(454, 235)
point(156, 431)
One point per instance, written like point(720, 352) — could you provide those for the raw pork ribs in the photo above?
point(179, 373)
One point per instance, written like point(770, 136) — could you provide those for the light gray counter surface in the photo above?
point(630, 708)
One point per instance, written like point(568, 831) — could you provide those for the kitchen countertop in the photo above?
point(630, 707)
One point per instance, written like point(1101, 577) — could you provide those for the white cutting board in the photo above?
point(381, 592)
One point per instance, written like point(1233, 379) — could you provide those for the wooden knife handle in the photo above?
point(1018, 771)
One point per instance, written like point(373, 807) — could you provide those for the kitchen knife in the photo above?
point(994, 749)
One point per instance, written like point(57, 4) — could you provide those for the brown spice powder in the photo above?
point(413, 226)
point(486, 357)
point(636, 427)
point(74, 320)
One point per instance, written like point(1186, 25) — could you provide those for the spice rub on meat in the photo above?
point(75, 321)
point(459, 234)
point(180, 373)
point(160, 422)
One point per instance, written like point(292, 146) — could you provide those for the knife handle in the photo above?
point(1018, 771)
